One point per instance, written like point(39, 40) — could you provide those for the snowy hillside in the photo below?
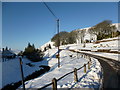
point(68, 64)
point(46, 44)
point(16, 51)
point(11, 70)
point(90, 79)
point(110, 43)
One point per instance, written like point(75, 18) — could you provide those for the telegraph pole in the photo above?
point(58, 43)
point(58, 55)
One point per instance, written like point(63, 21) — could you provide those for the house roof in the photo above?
point(7, 53)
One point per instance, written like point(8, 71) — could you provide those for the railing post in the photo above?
point(54, 85)
point(90, 59)
point(22, 75)
point(77, 55)
point(88, 65)
point(84, 68)
point(87, 57)
point(75, 75)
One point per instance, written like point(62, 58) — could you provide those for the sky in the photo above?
point(24, 22)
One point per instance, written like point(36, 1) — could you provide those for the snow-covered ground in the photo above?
point(107, 55)
point(67, 64)
point(113, 45)
point(11, 70)
point(47, 44)
point(92, 79)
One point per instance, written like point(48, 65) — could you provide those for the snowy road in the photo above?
point(111, 79)
point(111, 70)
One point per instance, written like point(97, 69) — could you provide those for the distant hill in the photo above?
point(16, 51)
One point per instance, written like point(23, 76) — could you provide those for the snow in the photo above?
point(107, 55)
point(46, 44)
point(112, 45)
point(92, 79)
point(67, 64)
point(108, 45)
point(11, 70)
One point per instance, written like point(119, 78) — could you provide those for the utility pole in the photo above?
point(58, 55)
point(58, 43)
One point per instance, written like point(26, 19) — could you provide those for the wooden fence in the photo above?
point(54, 80)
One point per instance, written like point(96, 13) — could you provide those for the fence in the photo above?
point(54, 80)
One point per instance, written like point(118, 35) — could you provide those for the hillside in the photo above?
point(68, 64)
point(46, 44)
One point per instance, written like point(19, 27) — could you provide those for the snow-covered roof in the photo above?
point(7, 53)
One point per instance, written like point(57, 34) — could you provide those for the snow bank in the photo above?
point(108, 55)
point(92, 79)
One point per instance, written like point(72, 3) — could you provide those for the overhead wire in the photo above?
point(50, 10)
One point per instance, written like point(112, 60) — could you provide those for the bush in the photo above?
point(64, 38)
point(33, 54)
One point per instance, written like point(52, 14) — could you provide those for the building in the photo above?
point(85, 36)
point(8, 54)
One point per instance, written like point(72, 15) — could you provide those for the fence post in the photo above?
point(88, 65)
point(85, 56)
point(75, 75)
point(84, 68)
point(89, 59)
point(77, 55)
point(22, 75)
point(54, 85)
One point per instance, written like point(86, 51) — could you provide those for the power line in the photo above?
point(57, 31)
point(50, 10)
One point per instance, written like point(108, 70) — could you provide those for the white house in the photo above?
point(86, 37)
point(90, 37)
